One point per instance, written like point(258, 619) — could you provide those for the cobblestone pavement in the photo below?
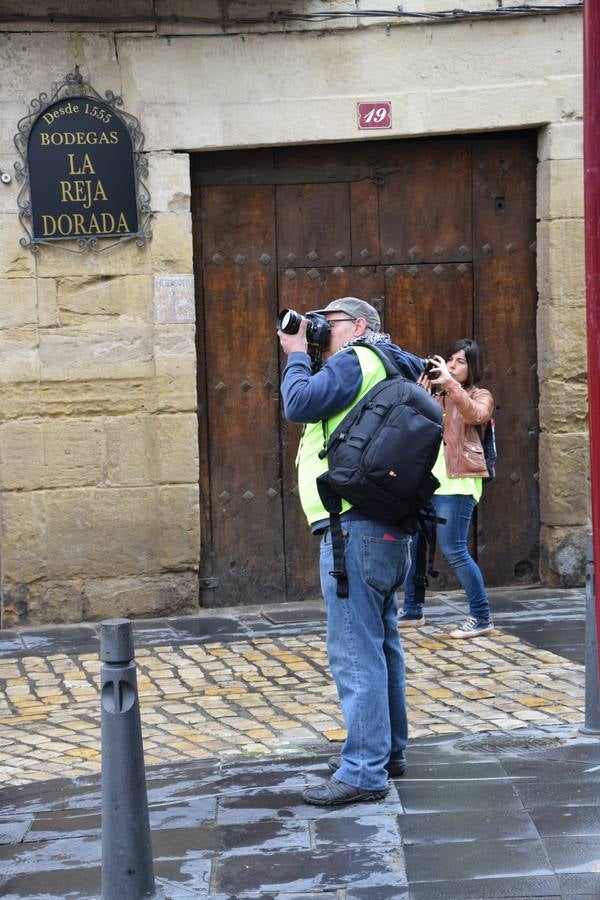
point(261, 695)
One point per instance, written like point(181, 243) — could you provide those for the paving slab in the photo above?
point(470, 825)
point(585, 884)
point(504, 888)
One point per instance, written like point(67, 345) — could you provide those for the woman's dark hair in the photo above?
point(473, 356)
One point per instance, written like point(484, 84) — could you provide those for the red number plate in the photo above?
point(374, 115)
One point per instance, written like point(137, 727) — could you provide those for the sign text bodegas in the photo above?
point(82, 171)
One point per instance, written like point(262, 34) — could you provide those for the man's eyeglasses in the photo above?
point(332, 322)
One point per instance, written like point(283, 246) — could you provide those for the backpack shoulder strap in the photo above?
point(333, 504)
point(386, 358)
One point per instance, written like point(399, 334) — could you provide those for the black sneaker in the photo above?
point(394, 769)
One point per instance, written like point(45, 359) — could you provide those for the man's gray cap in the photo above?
point(355, 309)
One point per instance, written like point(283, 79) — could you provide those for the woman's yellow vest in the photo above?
point(315, 435)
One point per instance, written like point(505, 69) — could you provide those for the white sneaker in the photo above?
point(472, 628)
point(405, 621)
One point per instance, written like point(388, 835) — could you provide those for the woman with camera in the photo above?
point(460, 469)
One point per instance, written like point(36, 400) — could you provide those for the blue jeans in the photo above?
point(364, 650)
point(452, 540)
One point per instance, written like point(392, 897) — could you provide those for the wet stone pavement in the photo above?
point(491, 806)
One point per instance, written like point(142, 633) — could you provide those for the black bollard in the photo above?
point(127, 870)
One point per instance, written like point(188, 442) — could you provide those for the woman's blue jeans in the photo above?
point(364, 650)
point(457, 509)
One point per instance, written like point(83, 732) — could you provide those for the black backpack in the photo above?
point(487, 436)
point(380, 458)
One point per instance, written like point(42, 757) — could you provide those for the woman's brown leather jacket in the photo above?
point(464, 408)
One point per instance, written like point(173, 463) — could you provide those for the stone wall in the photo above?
point(562, 368)
point(98, 432)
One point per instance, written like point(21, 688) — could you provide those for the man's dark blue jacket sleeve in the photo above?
point(310, 398)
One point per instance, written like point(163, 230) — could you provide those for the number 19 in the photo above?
point(376, 115)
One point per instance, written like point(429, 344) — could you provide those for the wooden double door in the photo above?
point(439, 235)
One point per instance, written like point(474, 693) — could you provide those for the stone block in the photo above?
point(61, 453)
point(175, 350)
point(178, 449)
point(26, 72)
point(171, 594)
point(19, 302)
point(106, 351)
point(11, 112)
point(43, 603)
point(47, 303)
point(225, 19)
point(561, 336)
point(563, 406)
point(84, 398)
point(240, 9)
point(169, 182)
point(9, 192)
point(174, 301)
point(21, 455)
point(443, 81)
point(560, 189)
point(131, 457)
point(177, 9)
point(563, 556)
point(19, 356)
point(104, 297)
point(74, 452)
point(561, 140)
point(179, 526)
point(15, 261)
point(102, 532)
point(15, 604)
point(201, 122)
point(507, 4)
point(418, 6)
point(124, 259)
point(564, 467)
point(171, 247)
point(175, 393)
point(104, 15)
point(561, 262)
point(24, 551)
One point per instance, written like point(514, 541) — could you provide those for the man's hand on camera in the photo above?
point(294, 343)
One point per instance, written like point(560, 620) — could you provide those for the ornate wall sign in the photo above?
point(82, 170)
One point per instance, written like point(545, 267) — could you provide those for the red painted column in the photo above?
point(591, 155)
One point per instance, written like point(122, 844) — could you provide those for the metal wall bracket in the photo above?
point(209, 584)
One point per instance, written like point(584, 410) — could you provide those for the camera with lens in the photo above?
point(317, 326)
point(431, 370)
point(318, 332)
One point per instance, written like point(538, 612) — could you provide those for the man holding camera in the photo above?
point(363, 646)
